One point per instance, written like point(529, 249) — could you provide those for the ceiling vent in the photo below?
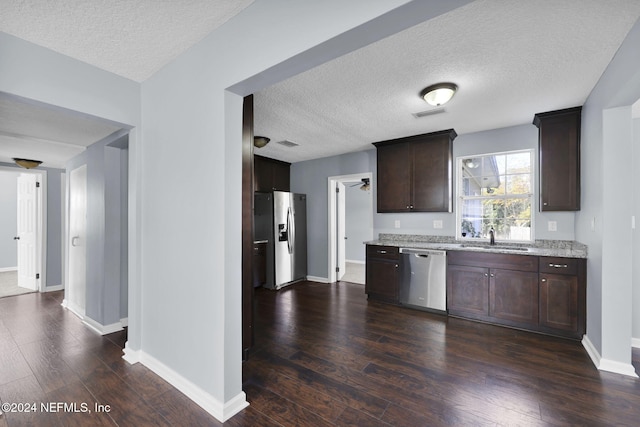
point(431, 112)
point(288, 143)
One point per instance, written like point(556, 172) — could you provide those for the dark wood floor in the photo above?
point(323, 356)
point(48, 356)
point(326, 356)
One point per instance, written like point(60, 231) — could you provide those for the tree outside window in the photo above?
point(496, 191)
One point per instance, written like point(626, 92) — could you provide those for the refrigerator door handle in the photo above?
point(290, 230)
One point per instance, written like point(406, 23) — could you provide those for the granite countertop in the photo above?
point(553, 248)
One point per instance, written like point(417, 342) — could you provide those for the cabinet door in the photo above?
point(559, 145)
point(393, 178)
point(262, 174)
point(559, 302)
point(281, 177)
point(270, 174)
point(513, 296)
point(431, 174)
point(468, 291)
point(382, 279)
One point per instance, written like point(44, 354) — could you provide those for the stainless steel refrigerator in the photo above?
point(280, 218)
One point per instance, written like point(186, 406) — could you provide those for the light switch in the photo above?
point(437, 223)
point(553, 226)
point(397, 223)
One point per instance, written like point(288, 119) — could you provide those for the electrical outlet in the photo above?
point(397, 223)
point(552, 225)
point(437, 223)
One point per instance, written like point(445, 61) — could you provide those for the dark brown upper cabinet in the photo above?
point(271, 175)
point(559, 150)
point(414, 173)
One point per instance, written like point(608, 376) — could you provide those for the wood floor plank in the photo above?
point(26, 390)
point(283, 410)
point(13, 365)
point(177, 409)
point(430, 369)
point(49, 368)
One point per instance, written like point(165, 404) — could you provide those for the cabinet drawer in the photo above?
point(556, 265)
point(386, 252)
point(493, 260)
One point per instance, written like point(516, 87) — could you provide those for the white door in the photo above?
point(77, 284)
point(27, 231)
point(341, 237)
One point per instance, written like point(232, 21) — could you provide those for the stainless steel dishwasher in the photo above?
point(423, 281)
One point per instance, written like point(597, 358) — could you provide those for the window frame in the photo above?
point(460, 197)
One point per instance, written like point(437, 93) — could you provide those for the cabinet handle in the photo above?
point(396, 265)
point(493, 275)
point(486, 274)
point(407, 206)
point(382, 252)
point(545, 204)
point(411, 206)
point(543, 280)
point(558, 265)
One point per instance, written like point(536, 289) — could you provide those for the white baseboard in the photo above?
point(100, 328)
point(6, 269)
point(75, 310)
point(318, 279)
point(591, 350)
point(131, 356)
point(606, 364)
point(355, 261)
point(221, 411)
point(53, 288)
point(617, 367)
point(124, 322)
point(635, 342)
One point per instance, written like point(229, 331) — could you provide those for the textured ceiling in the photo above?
point(131, 38)
point(39, 131)
point(510, 58)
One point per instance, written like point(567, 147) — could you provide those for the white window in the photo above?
point(496, 191)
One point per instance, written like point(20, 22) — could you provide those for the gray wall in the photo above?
point(55, 222)
point(8, 219)
point(106, 203)
point(606, 203)
point(358, 221)
point(310, 177)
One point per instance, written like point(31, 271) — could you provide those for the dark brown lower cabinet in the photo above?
point(382, 273)
point(468, 291)
point(513, 297)
point(563, 296)
point(541, 294)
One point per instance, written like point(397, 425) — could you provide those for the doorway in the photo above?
point(23, 231)
point(350, 225)
point(75, 298)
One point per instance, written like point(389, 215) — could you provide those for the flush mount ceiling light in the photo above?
point(260, 141)
point(27, 163)
point(439, 94)
point(471, 163)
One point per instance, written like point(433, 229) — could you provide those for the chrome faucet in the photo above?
point(492, 236)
